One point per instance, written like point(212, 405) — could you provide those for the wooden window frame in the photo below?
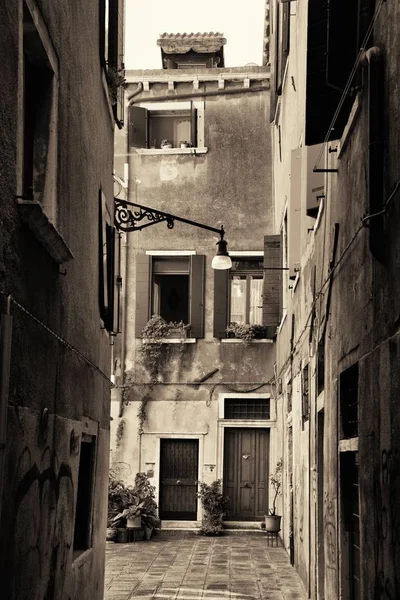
point(248, 273)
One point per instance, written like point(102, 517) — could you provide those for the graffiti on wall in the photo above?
point(42, 528)
point(330, 533)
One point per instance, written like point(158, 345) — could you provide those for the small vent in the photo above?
point(242, 408)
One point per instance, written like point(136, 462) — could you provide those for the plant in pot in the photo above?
point(272, 520)
point(241, 331)
point(214, 505)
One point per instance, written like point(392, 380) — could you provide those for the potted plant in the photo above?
point(242, 331)
point(272, 520)
point(214, 505)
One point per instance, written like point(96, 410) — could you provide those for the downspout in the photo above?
point(372, 59)
point(5, 360)
point(188, 95)
point(139, 89)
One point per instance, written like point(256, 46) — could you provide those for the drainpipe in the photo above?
point(372, 60)
point(188, 95)
point(5, 359)
point(139, 89)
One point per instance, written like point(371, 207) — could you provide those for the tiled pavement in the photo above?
point(190, 567)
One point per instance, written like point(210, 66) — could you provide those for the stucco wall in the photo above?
point(361, 327)
point(53, 389)
point(230, 184)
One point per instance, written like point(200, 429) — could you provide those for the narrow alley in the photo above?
point(185, 566)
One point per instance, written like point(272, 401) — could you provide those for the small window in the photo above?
point(40, 95)
point(349, 402)
point(170, 289)
point(321, 366)
point(247, 408)
point(246, 291)
point(163, 128)
point(84, 500)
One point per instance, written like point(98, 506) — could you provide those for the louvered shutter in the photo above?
point(272, 293)
point(197, 263)
point(221, 288)
point(142, 312)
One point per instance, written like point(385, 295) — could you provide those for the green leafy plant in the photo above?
point(127, 501)
point(246, 332)
point(114, 80)
point(214, 505)
point(276, 482)
point(154, 333)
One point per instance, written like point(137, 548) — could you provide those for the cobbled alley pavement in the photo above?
point(190, 567)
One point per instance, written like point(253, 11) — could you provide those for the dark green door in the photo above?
point(178, 479)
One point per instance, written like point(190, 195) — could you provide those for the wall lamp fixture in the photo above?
point(130, 216)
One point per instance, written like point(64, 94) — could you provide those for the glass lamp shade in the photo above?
point(221, 263)
point(221, 260)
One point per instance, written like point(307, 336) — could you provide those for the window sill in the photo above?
point(158, 151)
point(348, 445)
point(79, 557)
point(171, 341)
point(33, 215)
point(239, 341)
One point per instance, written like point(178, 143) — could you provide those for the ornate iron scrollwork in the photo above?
point(130, 219)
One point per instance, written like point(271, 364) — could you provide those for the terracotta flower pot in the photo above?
point(272, 523)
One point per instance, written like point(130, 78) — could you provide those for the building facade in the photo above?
point(57, 116)
point(202, 406)
point(335, 135)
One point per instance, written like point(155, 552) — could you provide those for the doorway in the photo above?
point(178, 479)
point(246, 460)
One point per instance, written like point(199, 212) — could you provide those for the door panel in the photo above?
point(246, 459)
point(178, 477)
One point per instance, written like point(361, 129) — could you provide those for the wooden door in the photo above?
point(246, 459)
point(178, 479)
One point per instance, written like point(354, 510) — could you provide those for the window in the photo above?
point(84, 500)
point(321, 366)
point(243, 408)
point(172, 287)
point(349, 402)
point(246, 288)
point(251, 292)
point(111, 19)
point(166, 125)
point(40, 105)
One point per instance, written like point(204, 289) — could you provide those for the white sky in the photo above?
point(241, 22)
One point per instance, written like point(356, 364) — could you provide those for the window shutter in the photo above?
point(142, 313)
point(110, 245)
point(221, 288)
point(294, 213)
point(193, 125)
point(272, 296)
point(137, 127)
point(197, 263)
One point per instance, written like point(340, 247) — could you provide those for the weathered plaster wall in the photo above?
point(41, 469)
point(362, 325)
point(229, 185)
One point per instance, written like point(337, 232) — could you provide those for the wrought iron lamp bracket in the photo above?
point(130, 216)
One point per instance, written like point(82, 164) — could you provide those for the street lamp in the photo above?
point(130, 216)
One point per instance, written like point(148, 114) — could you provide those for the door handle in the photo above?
point(178, 481)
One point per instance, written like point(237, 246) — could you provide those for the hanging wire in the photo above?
point(64, 342)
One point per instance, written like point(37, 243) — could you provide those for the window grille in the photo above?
point(242, 408)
